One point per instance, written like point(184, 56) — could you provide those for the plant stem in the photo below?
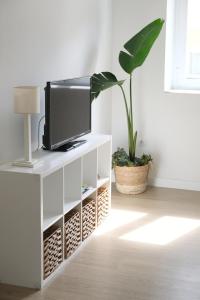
point(130, 129)
point(132, 134)
point(125, 101)
point(127, 114)
point(131, 100)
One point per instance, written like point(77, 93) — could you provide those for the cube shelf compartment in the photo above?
point(52, 198)
point(88, 217)
point(50, 210)
point(103, 203)
point(103, 164)
point(72, 184)
point(89, 173)
point(72, 231)
point(53, 249)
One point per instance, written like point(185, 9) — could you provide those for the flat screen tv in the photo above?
point(67, 112)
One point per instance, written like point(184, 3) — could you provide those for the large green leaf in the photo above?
point(139, 46)
point(103, 81)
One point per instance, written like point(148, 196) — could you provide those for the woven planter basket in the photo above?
point(53, 254)
point(88, 217)
point(72, 233)
point(131, 180)
point(102, 204)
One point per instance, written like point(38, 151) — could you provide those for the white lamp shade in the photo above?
point(27, 100)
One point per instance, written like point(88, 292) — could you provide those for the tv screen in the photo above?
point(67, 111)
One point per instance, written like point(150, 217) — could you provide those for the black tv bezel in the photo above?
point(47, 141)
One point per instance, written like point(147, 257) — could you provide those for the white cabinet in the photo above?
point(35, 201)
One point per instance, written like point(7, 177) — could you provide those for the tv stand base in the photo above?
point(69, 146)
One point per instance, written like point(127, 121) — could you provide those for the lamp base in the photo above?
point(25, 163)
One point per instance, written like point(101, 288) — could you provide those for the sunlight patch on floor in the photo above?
point(162, 231)
point(118, 218)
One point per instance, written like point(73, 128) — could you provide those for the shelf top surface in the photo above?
point(49, 161)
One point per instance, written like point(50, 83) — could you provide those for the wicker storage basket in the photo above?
point(88, 217)
point(72, 232)
point(102, 203)
point(131, 180)
point(53, 250)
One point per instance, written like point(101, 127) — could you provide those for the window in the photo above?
point(182, 65)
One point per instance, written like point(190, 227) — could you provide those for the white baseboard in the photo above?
point(175, 184)
point(172, 183)
point(3, 162)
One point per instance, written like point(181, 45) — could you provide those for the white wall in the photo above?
point(45, 40)
point(168, 124)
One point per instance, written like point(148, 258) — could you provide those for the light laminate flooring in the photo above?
point(149, 249)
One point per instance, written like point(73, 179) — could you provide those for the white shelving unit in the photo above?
point(35, 199)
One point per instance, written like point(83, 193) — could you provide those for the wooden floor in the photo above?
point(110, 268)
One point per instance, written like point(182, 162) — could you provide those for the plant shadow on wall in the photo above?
point(131, 172)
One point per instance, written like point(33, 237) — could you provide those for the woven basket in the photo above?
point(102, 204)
point(52, 251)
point(72, 232)
point(88, 217)
point(131, 180)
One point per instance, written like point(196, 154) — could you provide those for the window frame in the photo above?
point(177, 77)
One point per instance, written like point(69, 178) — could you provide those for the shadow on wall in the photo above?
point(98, 53)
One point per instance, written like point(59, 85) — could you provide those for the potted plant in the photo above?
point(131, 172)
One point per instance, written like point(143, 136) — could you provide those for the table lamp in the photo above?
point(26, 102)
